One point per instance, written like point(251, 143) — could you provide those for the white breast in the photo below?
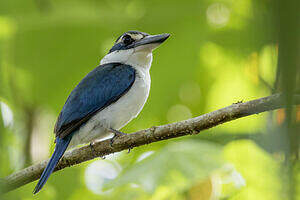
point(129, 105)
point(117, 114)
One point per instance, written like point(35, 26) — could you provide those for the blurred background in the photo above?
point(220, 52)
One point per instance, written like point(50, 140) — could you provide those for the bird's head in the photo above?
point(134, 48)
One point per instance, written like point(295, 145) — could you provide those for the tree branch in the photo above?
point(154, 134)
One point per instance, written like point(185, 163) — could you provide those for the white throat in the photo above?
point(136, 59)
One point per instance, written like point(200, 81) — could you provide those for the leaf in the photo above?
point(178, 164)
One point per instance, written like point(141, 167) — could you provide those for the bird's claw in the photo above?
point(92, 148)
point(129, 149)
point(116, 135)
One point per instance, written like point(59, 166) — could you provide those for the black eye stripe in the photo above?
point(119, 43)
point(127, 39)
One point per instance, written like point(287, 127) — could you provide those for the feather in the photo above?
point(60, 148)
point(100, 88)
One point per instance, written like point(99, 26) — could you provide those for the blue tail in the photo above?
point(60, 148)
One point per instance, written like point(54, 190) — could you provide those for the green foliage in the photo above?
point(171, 166)
point(219, 53)
point(246, 162)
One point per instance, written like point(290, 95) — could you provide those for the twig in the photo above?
point(154, 134)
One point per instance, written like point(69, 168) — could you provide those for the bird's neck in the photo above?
point(135, 59)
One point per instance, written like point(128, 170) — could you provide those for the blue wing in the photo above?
point(101, 87)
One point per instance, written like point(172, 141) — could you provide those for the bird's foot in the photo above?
point(92, 148)
point(116, 135)
point(129, 150)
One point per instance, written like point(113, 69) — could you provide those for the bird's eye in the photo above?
point(127, 39)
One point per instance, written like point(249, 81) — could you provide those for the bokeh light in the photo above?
point(190, 93)
point(145, 155)
point(178, 112)
point(7, 114)
point(218, 15)
point(219, 53)
point(99, 173)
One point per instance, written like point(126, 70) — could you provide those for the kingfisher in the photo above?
point(107, 98)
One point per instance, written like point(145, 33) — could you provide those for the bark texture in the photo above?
point(147, 136)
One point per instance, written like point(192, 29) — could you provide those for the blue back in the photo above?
point(101, 87)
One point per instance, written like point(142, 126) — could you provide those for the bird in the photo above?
point(107, 98)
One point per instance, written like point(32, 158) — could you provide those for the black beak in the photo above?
point(152, 39)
